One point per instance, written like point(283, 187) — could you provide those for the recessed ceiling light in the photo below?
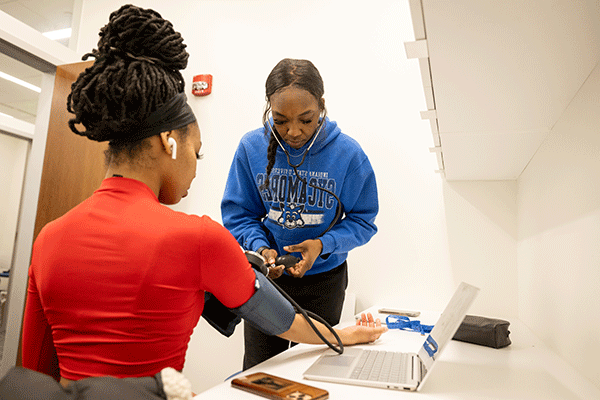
point(59, 34)
point(20, 82)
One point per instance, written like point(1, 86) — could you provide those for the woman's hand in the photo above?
point(366, 330)
point(274, 271)
point(310, 250)
point(367, 320)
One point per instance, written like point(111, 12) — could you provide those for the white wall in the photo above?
point(13, 154)
point(559, 234)
point(432, 234)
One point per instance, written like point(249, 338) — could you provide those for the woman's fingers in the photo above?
point(368, 320)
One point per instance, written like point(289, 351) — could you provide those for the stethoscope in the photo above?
point(295, 167)
point(287, 154)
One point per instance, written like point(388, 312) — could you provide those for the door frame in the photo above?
point(25, 44)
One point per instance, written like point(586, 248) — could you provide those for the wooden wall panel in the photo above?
point(73, 165)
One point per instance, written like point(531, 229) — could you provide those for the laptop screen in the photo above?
point(448, 323)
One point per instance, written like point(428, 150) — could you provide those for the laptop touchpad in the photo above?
point(338, 360)
point(335, 365)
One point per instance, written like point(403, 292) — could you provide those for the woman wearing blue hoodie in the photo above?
point(299, 185)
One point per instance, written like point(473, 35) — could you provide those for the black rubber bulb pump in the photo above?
point(287, 260)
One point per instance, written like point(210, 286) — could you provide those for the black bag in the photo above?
point(484, 331)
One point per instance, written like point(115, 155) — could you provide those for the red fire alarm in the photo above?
point(202, 85)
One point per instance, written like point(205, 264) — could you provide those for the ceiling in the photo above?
point(44, 16)
point(497, 75)
point(18, 101)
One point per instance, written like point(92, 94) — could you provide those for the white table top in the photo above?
point(524, 370)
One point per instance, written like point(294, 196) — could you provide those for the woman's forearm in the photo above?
point(302, 332)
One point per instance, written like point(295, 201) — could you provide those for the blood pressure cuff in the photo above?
point(267, 310)
point(218, 316)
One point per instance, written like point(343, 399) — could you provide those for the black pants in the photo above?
point(323, 294)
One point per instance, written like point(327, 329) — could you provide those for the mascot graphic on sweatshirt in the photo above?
point(291, 217)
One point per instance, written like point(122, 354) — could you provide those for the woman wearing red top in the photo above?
point(117, 284)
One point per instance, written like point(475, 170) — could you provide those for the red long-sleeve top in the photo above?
point(117, 284)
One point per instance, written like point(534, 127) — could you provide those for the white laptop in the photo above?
point(395, 370)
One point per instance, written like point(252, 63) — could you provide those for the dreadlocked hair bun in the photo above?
point(136, 69)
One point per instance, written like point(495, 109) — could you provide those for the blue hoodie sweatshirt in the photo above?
point(290, 212)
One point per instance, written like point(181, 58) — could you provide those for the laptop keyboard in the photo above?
point(382, 366)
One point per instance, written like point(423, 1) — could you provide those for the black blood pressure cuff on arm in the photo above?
point(218, 316)
point(267, 310)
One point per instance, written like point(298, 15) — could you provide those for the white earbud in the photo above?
point(173, 144)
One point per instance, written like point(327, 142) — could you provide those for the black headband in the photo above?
point(174, 114)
